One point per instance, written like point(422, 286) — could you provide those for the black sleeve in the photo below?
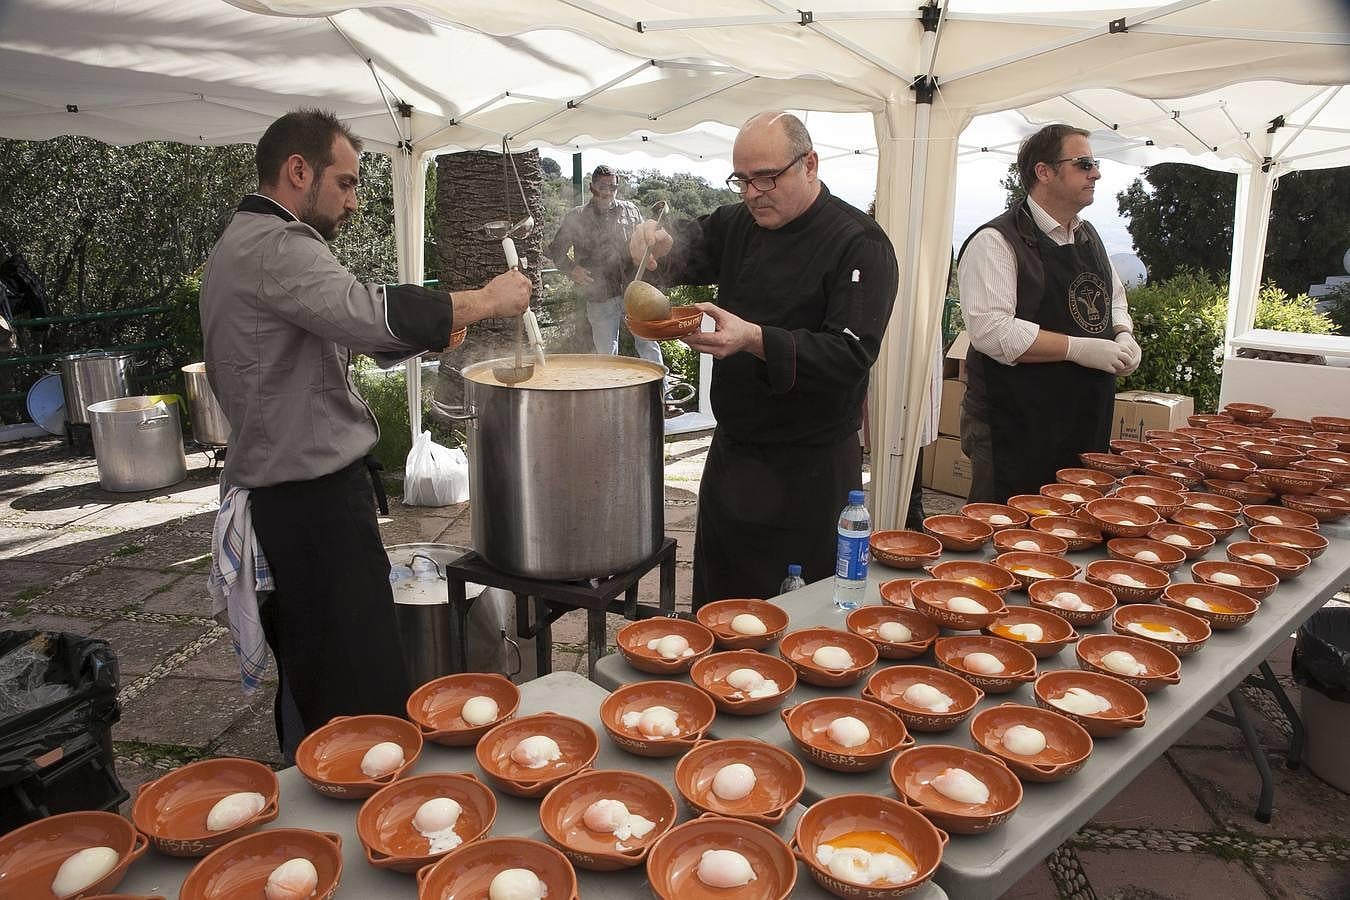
point(418, 316)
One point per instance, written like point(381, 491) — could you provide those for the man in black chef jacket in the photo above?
point(805, 288)
point(1048, 323)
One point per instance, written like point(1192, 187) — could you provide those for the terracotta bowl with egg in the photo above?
point(1143, 459)
point(661, 646)
point(1154, 482)
point(1112, 464)
point(845, 747)
point(387, 827)
point(777, 783)
point(904, 549)
point(1224, 466)
point(996, 515)
point(1067, 493)
point(438, 707)
point(1310, 543)
point(976, 574)
point(1321, 506)
point(1130, 582)
point(691, 712)
point(914, 772)
point(1175, 471)
point(1123, 518)
point(562, 815)
point(1029, 568)
point(897, 633)
point(1244, 492)
point(31, 855)
point(1164, 503)
point(992, 664)
point(1039, 505)
point(874, 825)
point(952, 697)
point(1223, 608)
point(1334, 424)
point(1301, 441)
point(1029, 541)
point(1282, 562)
point(896, 592)
point(468, 871)
point(710, 675)
point(241, 868)
point(331, 758)
point(1122, 445)
point(1197, 434)
point(1178, 631)
point(1244, 578)
point(1221, 525)
point(1248, 413)
point(731, 633)
point(1342, 494)
point(1211, 502)
point(934, 599)
point(1042, 633)
point(1079, 535)
point(1126, 707)
point(1338, 456)
point(960, 533)
point(1153, 553)
point(1060, 751)
point(1146, 665)
point(1338, 440)
point(1205, 420)
point(684, 320)
point(1271, 456)
point(1293, 481)
point(1076, 602)
point(814, 654)
point(173, 809)
point(673, 865)
point(1279, 515)
point(1085, 478)
point(500, 751)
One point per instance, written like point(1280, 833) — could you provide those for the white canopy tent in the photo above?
point(435, 75)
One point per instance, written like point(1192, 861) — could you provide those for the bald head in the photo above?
point(792, 129)
point(776, 144)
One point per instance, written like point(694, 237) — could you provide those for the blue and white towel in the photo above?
point(239, 578)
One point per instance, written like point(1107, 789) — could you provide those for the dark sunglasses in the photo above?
point(1086, 163)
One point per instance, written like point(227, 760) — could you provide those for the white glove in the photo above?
point(1126, 340)
point(1098, 353)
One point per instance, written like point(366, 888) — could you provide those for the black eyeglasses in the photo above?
point(762, 182)
point(1086, 163)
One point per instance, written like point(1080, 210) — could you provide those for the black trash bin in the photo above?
point(1321, 666)
point(58, 702)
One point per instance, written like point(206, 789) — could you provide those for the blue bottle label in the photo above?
point(851, 558)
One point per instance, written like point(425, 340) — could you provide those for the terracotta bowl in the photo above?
point(976, 574)
point(993, 514)
point(808, 724)
point(1197, 540)
point(436, 705)
point(1211, 502)
point(1122, 518)
point(562, 813)
point(575, 739)
point(1248, 413)
point(1028, 568)
point(832, 820)
point(1111, 463)
point(930, 599)
point(385, 823)
point(330, 758)
point(1184, 457)
point(1341, 494)
point(1174, 471)
point(1333, 424)
point(779, 779)
point(31, 855)
point(633, 640)
point(1242, 491)
point(1230, 428)
point(467, 871)
point(1340, 440)
point(694, 712)
point(1256, 582)
point(1337, 457)
point(1019, 665)
point(241, 867)
point(1154, 620)
point(1293, 481)
point(798, 647)
point(1206, 420)
point(1124, 445)
point(1221, 525)
point(1056, 632)
point(1270, 456)
point(887, 687)
point(718, 616)
point(1032, 541)
point(1067, 745)
point(913, 771)
point(672, 865)
point(1164, 503)
point(1160, 434)
point(958, 532)
point(1147, 551)
point(1064, 492)
point(1291, 424)
point(1198, 434)
point(896, 592)
point(1154, 482)
point(172, 809)
point(1303, 442)
point(1128, 709)
point(1224, 608)
point(1177, 449)
point(1101, 571)
point(1039, 505)
point(1310, 543)
point(866, 621)
point(1086, 478)
point(1321, 506)
point(1079, 535)
point(684, 320)
point(710, 673)
point(1225, 445)
point(1161, 666)
point(1286, 562)
point(1101, 599)
point(1143, 459)
point(904, 549)
point(1279, 515)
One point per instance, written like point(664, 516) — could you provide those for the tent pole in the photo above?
point(410, 189)
point(1251, 219)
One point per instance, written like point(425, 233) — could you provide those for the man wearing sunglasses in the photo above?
point(805, 288)
point(1049, 328)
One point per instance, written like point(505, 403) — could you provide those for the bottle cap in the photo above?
point(795, 570)
point(856, 498)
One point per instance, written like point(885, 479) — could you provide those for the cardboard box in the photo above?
point(954, 364)
point(1140, 411)
point(951, 468)
point(949, 415)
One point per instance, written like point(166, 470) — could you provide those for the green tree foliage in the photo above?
point(1012, 184)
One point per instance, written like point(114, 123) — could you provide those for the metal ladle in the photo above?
point(658, 210)
point(521, 371)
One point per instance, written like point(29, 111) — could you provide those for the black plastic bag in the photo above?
point(1322, 653)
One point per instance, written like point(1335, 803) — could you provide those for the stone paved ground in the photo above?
point(130, 568)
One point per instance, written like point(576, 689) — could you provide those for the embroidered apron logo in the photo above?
point(1088, 303)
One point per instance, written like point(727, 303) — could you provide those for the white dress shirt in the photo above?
point(987, 277)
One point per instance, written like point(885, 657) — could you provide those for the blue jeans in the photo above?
point(606, 317)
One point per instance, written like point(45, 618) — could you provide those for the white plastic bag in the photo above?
point(434, 475)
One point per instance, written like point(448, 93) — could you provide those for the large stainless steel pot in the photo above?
point(566, 484)
point(138, 443)
point(93, 377)
point(209, 425)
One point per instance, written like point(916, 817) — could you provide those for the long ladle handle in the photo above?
point(660, 209)
point(513, 262)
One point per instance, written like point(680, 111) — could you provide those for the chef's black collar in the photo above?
point(804, 220)
point(260, 203)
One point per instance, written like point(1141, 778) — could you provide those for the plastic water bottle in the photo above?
point(850, 562)
point(793, 580)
